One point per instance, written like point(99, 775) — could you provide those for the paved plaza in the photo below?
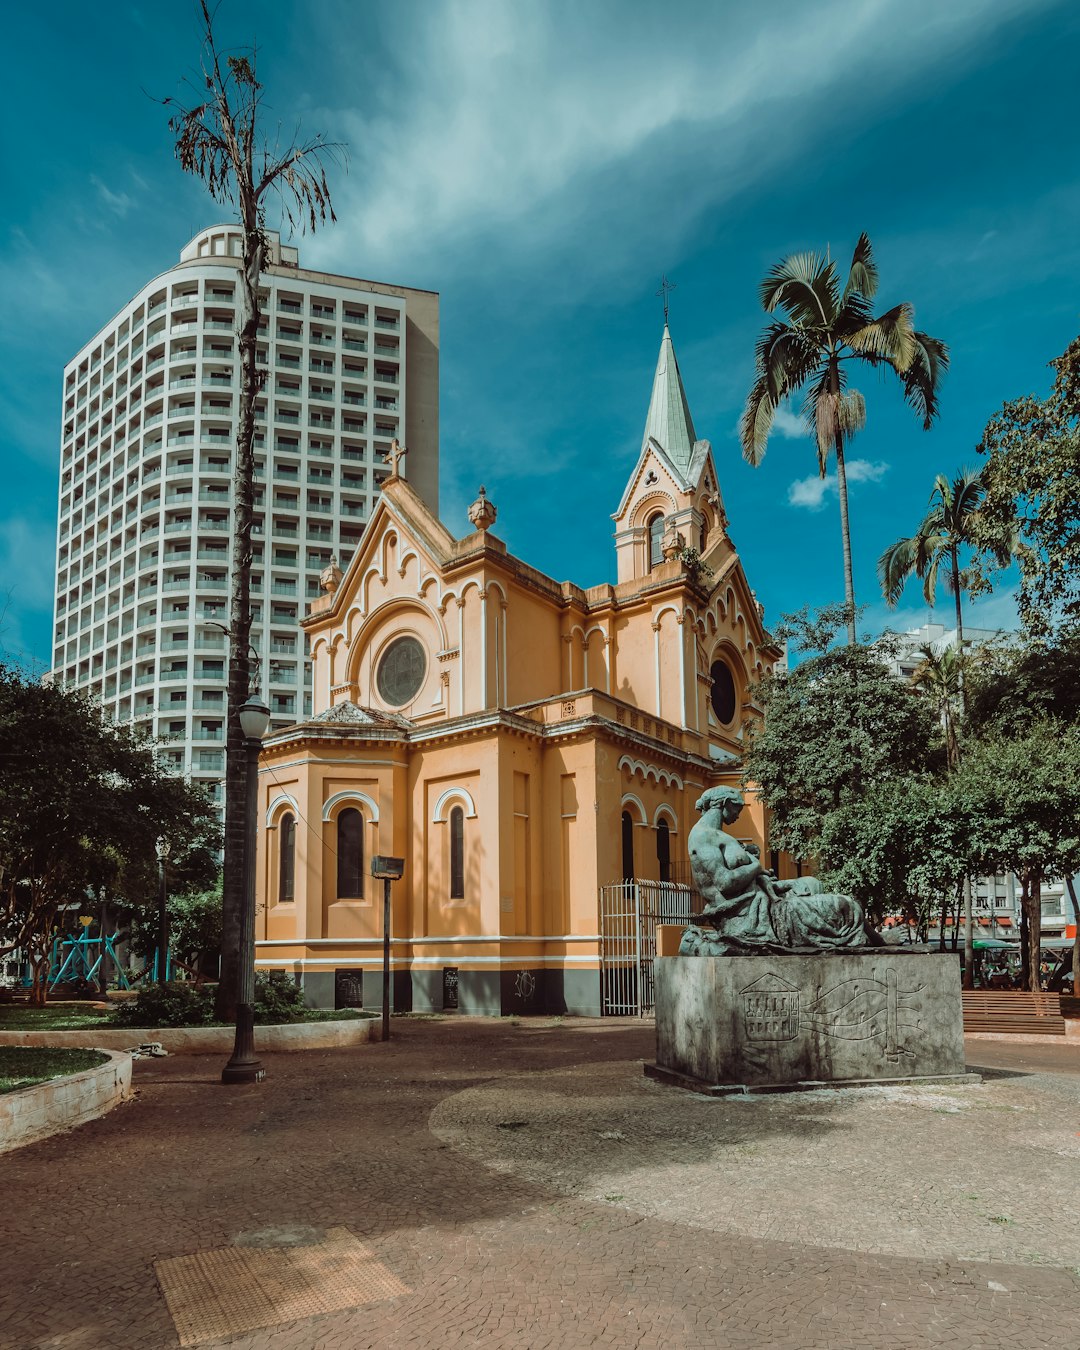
point(521, 1184)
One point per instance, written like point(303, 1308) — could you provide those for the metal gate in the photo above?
point(629, 913)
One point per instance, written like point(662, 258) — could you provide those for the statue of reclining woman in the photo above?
point(746, 907)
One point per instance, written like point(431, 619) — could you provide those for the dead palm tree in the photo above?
point(826, 327)
point(220, 139)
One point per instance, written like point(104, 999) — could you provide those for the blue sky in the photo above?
point(540, 165)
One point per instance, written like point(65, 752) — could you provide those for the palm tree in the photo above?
point(939, 675)
point(824, 328)
point(942, 532)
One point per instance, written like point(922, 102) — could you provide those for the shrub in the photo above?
point(277, 998)
point(169, 1005)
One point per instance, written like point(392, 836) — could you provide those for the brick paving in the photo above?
point(530, 1189)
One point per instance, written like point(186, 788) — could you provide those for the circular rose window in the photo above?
point(723, 692)
point(401, 671)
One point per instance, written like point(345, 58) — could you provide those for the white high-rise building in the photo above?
point(149, 422)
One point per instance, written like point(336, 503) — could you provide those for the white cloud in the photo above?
point(788, 423)
point(119, 203)
point(994, 611)
point(494, 113)
point(810, 493)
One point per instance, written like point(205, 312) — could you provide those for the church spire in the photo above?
point(669, 422)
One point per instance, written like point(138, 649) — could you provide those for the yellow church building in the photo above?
point(523, 743)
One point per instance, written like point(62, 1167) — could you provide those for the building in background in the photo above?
point(150, 408)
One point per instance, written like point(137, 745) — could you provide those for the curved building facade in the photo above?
point(149, 421)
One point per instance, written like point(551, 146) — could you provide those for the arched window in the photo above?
point(663, 849)
point(704, 537)
point(350, 854)
point(627, 847)
point(656, 540)
point(457, 853)
point(287, 859)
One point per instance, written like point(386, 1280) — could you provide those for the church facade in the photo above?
point(520, 742)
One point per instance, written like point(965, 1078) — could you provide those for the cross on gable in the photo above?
point(394, 456)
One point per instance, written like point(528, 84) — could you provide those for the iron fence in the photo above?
point(629, 914)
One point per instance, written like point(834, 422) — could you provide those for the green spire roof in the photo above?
point(669, 422)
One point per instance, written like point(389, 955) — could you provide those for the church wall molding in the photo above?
point(631, 799)
point(353, 797)
point(281, 803)
point(440, 814)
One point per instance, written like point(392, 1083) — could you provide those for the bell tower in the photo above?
point(672, 500)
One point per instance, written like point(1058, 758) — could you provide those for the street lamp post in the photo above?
point(244, 1066)
point(163, 848)
point(388, 869)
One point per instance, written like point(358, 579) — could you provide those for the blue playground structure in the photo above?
point(77, 957)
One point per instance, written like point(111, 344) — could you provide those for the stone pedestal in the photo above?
point(777, 1023)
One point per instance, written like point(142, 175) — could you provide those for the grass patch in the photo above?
point(53, 1017)
point(80, 1017)
point(23, 1065)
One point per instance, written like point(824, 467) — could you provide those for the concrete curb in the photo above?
point(32, 1113)
point(210, 1040)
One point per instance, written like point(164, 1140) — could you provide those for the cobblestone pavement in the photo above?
point(530, 1189)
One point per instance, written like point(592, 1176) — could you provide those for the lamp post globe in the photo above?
point(244, 1066)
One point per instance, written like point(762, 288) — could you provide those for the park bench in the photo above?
point(1013, 1011)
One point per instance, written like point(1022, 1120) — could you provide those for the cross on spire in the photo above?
point(394, 456)
point(666, 287)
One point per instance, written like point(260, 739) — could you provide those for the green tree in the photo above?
point(194, 925)
point(942, 534)
point(220, 140)
point(81, 801)
point(1032, 449)
point(1009, 685)
point(1024, 801)
point(824, 329)
point(898, 849)
point(836, 729)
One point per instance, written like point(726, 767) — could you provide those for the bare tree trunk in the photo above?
point(941, 925)
point(969, 938)
point(1033, 902)
point(841, 491)
point(1025, 935)
point(1070, 884)
point(233, 892)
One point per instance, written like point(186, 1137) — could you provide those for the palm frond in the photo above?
point(863, 274)
point(851, 413)
point(895, 565)
point(785, 355)
point(960, 499)
point(756, 422)
point(891, 337)
point(820, 411)
point(805, 285)
point(922, 377)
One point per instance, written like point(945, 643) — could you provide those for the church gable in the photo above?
point(379, 635)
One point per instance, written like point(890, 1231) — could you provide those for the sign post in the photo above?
point(388, 869)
